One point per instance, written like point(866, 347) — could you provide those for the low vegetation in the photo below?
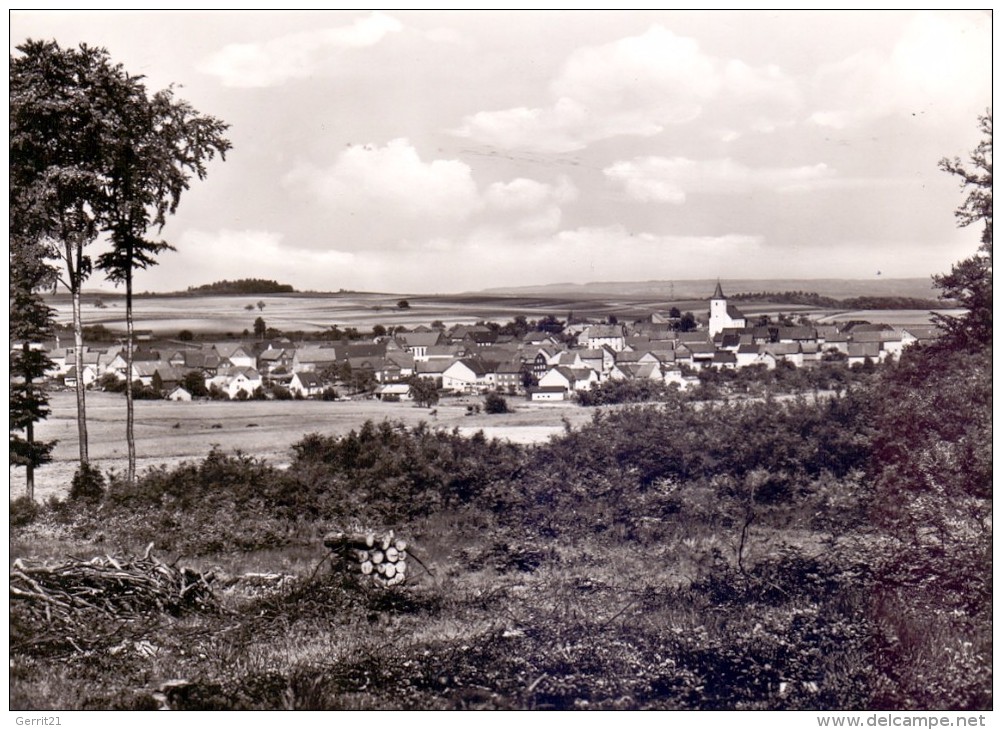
point(762, 554)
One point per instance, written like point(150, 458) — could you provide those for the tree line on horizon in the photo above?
point(242, 286)
point(813, 299)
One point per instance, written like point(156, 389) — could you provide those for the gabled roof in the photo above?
point(734, 313)
point(309, 379)
point(783, 348)
point(724, 357)
point(420, 339)
point(477, 366)
point(796, 333)
point(603, 331)
point(864, 349)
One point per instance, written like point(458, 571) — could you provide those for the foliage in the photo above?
point(31, 321)
point(260, 328)
point(186, 335)
point(496, 403)
point(88, 484)
point(403, 304)
point(391, 472)
point(638, 390)
point(23, 511)
point(813, 299)
point(423, 391)
point(970, 281)
point(242, 286)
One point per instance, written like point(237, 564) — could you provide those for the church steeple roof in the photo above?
point(718, 293)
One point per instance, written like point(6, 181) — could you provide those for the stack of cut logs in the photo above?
point(382, 556)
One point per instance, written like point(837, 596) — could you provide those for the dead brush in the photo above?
point(52, 604)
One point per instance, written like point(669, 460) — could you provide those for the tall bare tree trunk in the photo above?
point(129, 406)
point(79, 361)
point(29, 435)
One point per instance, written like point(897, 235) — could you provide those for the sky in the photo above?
point(449, 151)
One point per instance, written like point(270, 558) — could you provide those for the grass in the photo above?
point(280, 424)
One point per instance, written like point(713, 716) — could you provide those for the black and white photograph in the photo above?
point(536, 360)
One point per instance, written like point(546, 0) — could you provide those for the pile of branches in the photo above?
point(382, 556)
point(74, 593)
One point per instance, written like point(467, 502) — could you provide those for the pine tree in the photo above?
point(31, 321)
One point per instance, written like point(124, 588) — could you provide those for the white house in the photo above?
point(179, 394)
point(306, 384)
point(608, 335)
point(468, 375)
point(242, 380)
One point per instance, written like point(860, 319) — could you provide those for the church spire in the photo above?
point(718, 293)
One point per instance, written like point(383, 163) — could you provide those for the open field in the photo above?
point(166, 315)
point(228, 315)
point(168, 433)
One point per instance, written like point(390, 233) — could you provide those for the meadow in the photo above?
point(169, 432)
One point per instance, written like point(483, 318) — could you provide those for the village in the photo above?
point(550, 363)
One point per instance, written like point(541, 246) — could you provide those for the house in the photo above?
point(860, 352)
point(417, 343)
point(314, 358)
point(394, 391)
point(600, 359)
point(242, 380)
point(239, 355)
point(570, 379)
point(636, 371)
point(89, 376)
point(508, 376)
point(306, 384)
point(468, 375)
point(724, 360)
point(674, 376)
point(178, 393)
point(166, 377)
point(547, 393)
point(607, 335)
point(722, 314)
point(275, 359)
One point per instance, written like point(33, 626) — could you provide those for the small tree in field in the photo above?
point(496, 403)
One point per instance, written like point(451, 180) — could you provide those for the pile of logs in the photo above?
point(116, 587)
point(381, 556)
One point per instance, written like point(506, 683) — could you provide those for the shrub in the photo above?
point(496, 403)
point(88, 484)
point(23, 511)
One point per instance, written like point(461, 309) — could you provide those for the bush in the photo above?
point(88, 484)
point(23, 511)
point(496, 403)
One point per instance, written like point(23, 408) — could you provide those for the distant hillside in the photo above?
point(918, 288)
point(242, 286)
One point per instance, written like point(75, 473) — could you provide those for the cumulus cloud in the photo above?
point(633, 86)
point(669, 180)
point(391, 181)
point(936, 67)
point(534, 207)
point(296, 55)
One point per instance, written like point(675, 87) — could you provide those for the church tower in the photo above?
point(718, 311)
